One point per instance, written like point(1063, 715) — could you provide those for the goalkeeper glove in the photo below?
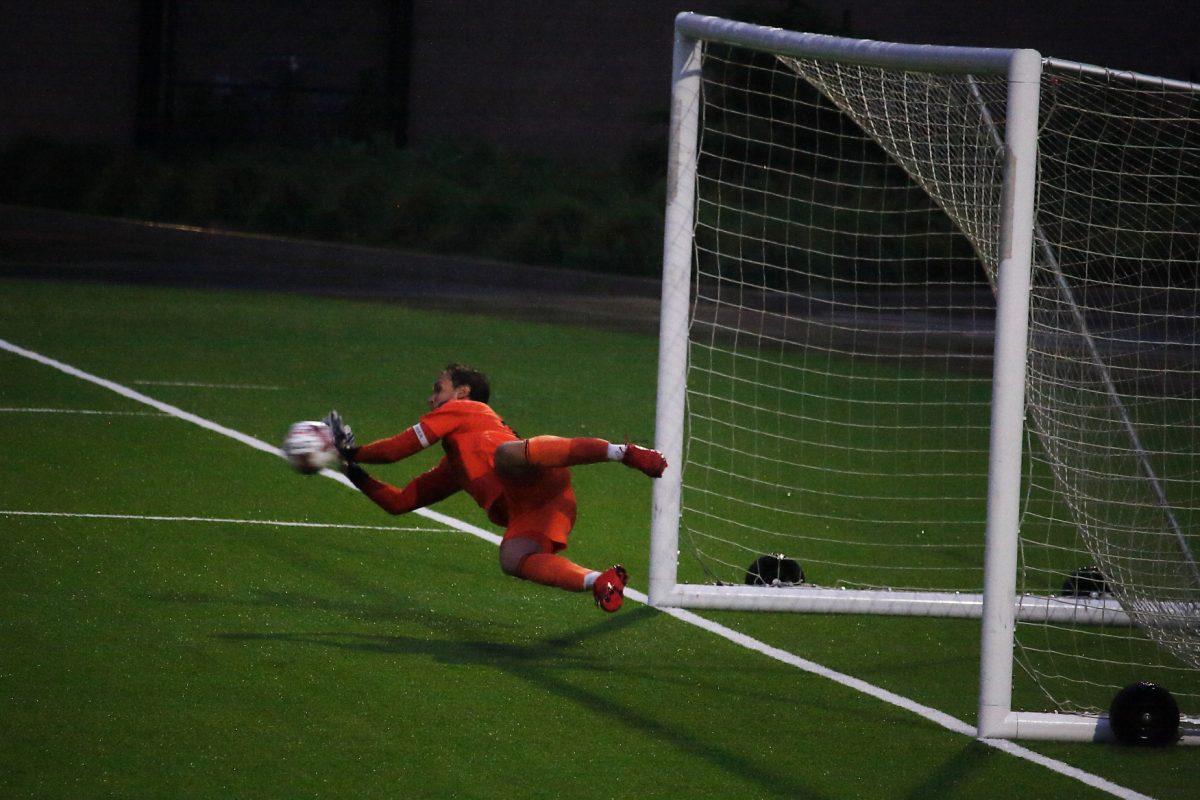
point(343, 437)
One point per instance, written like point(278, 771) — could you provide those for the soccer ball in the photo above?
point(309, 448)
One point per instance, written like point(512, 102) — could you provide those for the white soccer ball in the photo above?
point(309, 448)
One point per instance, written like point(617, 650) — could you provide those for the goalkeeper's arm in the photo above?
point(386, 451)
point(424, 490)
point(383, 451)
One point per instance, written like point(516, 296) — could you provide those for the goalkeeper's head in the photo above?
point(459, 382)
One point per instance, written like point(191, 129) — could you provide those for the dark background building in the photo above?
point(572, 78)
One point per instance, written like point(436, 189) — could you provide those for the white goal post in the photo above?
point(858, 235)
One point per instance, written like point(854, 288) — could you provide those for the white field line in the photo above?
point(82, 411)
point(197, 385)
point(931, 714)
point(277, 523)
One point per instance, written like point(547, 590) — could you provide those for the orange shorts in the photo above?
point(541, 507)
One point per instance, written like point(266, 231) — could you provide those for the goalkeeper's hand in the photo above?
point(343, 437)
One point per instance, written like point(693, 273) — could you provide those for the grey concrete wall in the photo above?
point(572, 77)
point(578, 78)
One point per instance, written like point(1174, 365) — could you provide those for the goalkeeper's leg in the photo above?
point(542, 516)
point(555, 451)
point(532, 560)
point(527, 558)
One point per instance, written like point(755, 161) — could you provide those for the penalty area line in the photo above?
point(207, 424)
point(939, 718)
point(199, 385)
point(277, 523)
point(84, 411)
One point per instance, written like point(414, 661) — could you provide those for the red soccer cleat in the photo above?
point(609, 588)
point(651, 462)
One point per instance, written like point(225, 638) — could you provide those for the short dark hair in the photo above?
point(476, 381)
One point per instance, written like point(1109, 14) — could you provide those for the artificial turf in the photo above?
point(152, 658)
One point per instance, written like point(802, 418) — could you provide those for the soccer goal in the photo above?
point(929, 330)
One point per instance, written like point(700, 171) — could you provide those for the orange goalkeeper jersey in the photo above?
point(469, 432)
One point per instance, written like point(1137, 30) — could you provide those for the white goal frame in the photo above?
point(999, 606)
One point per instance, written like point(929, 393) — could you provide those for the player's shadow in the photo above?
point(948, 779)
point(384, 607)
point(547, 664)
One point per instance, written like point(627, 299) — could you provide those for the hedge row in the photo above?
point(469, 200)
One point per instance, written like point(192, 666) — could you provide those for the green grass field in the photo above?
point(198, 658)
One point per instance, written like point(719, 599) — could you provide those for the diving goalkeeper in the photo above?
point(524, 485)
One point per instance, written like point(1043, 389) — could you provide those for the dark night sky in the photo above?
point(1159, 37)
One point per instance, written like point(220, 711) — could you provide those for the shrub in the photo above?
point(449, 198)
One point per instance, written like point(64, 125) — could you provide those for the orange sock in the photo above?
point(551, 570)
point(555, 451)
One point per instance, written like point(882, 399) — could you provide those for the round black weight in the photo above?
point(1085, 582)
point(768, 569)
point(1144, 713)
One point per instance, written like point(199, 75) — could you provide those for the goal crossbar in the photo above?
point(863, 52)
point(1152, 81)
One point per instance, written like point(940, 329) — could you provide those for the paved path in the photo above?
point(36, 243)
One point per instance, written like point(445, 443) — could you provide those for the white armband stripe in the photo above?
point(421, 437)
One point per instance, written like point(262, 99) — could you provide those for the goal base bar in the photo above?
point(1062, 728)
point(810, 599)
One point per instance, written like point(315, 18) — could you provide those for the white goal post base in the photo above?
point(1061, 727)
point(962, 605)
point(993, 723)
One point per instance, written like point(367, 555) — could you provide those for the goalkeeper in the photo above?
point(524, 485)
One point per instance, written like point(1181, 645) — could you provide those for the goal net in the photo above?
point(830, 368)
point(1114, 384)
